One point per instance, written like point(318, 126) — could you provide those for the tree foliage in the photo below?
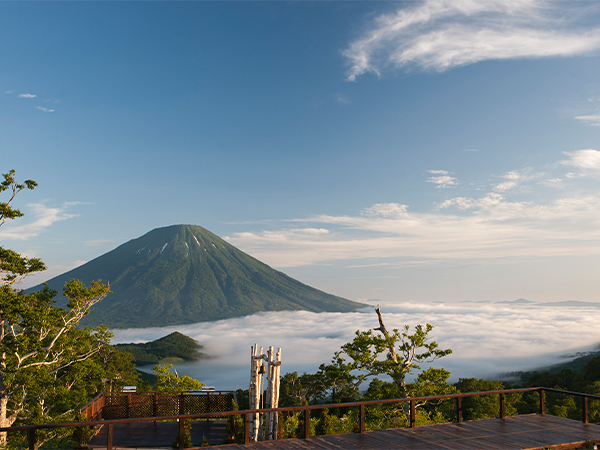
point(170, 380)
point(396, 354)
point(13, 266)
point(49, 367)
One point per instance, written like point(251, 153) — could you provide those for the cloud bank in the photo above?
point(439, 35)
point(486, 339)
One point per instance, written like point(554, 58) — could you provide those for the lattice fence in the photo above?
point(121, 406)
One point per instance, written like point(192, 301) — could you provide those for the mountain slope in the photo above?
point(185, 274)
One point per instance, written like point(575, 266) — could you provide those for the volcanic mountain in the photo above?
point(186, 274)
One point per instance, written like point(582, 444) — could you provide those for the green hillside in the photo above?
point(175, 347)
point(186, 274)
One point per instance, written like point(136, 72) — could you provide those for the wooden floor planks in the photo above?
point(517, 432)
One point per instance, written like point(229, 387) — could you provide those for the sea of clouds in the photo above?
point(488, 340)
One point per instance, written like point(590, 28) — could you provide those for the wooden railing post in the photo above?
point(32, 443)
point(306, 423)
point(502, 408)
point(207, 403)
point(362, 419)
point(246, 428)
point(155, 405)
point(128, 406)
point(459, 409)
point(181, 433)
point(109, 437)
point(585, 410)
point(542, 402)
point(413, 414)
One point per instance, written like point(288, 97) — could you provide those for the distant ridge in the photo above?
point(186, 274)
point(572, 303)
point(519, 301)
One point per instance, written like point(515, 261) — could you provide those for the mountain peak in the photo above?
point(185, 274)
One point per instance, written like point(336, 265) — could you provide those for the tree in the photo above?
point(485, 406)
point(14, 267)
point(367, 351)
point(171, 381)
point(39, 343)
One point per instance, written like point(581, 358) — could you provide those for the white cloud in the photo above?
point(461, 228)
point(486, 339)
point(587, 161)
point(441, 34)
point(493, 228)
point(513, 179)
point(592, 119)
point(9, 92)
point(41, 108)
point(27, 96)
point(384, 210)
point(442, 180)
point(44, 217)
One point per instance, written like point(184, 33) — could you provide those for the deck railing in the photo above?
point(31, 429)
point(126, 405)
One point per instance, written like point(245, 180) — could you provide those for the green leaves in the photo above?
point(12, 265)
point(48, 366)
point(81, 297)
point(170, 381)
point(367, 352)
point(9, 184)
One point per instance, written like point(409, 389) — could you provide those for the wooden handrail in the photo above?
point(93, 409)
point(307, 408)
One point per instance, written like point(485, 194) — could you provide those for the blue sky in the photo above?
point(404, 151)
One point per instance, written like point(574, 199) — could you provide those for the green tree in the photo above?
point(14, 267)
point(171, 381)
point(482, 407)
point(372, 355)
point(40, 344)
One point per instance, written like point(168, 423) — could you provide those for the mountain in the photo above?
point(519, 301)
point(186, 274)
point(175, 347)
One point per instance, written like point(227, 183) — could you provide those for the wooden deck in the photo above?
point(147, 435)
point(533, 431)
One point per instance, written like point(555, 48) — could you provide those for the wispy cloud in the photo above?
point(513, 179)
point(44, 216)
point(10, 91)
point(27, 96)
point(442, 34)
point(442, 180)
point(490, 226)
point(587, 161)
point(41, 108)
point(342, 99)
point(592, 119)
